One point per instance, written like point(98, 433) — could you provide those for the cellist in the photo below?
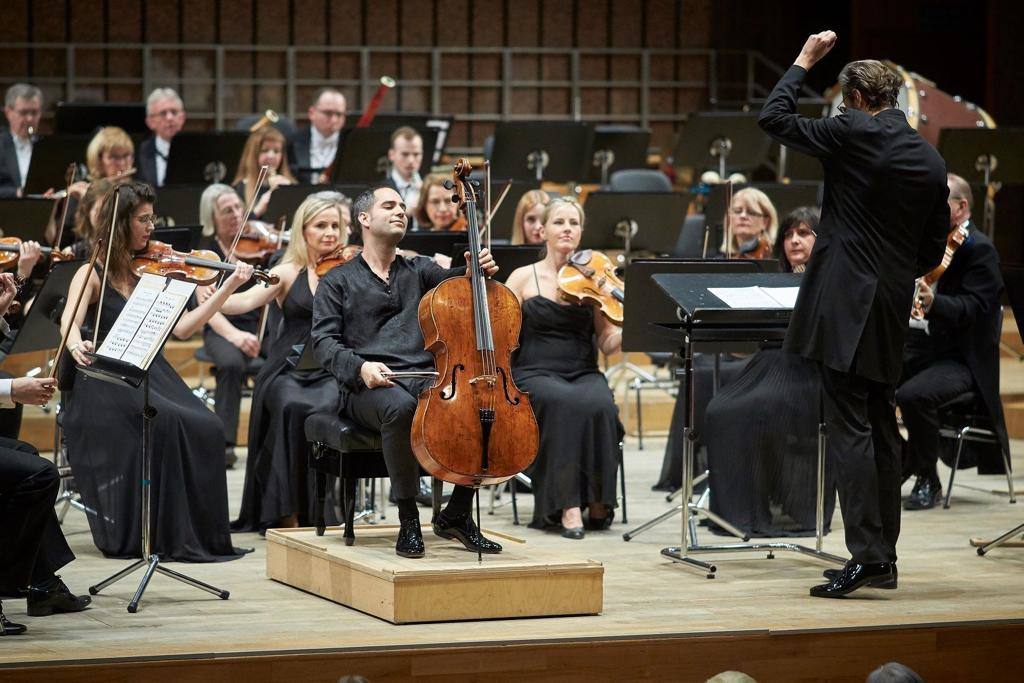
point(365, 328)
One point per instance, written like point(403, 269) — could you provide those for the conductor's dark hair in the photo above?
point(878, 84)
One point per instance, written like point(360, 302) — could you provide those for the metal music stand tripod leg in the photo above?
point(149, 559)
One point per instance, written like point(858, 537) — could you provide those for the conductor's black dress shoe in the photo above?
point(926, 493)
point(833, 574)
point(9, 628)
point(853, 576)
point(54, 597)
point(410, 539)
point(464, 530)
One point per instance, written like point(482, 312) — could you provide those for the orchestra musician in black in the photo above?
point(884, 222)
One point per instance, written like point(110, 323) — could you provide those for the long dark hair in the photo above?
point(809, 216)
point(130, 196)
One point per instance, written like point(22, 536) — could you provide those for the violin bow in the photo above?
point(487, 203)
point(69, 176)
point(264, 170)
point(106, 264)
point(728, 219)
point(501, 198)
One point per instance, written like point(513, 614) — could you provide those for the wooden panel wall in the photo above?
point(379, 23)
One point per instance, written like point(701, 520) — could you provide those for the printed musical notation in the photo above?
point(146, 320)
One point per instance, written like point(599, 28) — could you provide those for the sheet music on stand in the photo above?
point(146, 320)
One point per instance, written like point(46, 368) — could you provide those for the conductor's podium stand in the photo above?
point(448, 584)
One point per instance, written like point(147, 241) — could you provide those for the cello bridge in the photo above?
point(490, 380)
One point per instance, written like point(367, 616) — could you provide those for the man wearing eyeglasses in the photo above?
point(165, 116)
point(884, 222)
point(23, 105)
point(312, 150)
point(953, 350)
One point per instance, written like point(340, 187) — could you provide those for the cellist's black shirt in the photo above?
point(358, 317)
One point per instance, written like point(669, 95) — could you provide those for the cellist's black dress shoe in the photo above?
point(410, 539)
point(464, 530)
point(833, 574)
point(855, 575)
point(54, 597)
point(925, 495)
point(9, 628)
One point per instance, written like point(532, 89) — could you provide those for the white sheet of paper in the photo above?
point(745, 297)
point(146, 320)
point(784, 295)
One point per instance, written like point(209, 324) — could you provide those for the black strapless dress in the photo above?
point(276, 482)
point(103, 428)
point(579, 422)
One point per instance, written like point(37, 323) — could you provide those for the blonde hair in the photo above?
point(559, 202)
point(761, 202)
point(249, 164)
point(106, 140)
point(525, 205)
point(310, 207)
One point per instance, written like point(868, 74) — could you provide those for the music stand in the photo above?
point(617, 148)
point(179, 237)
point(428, 243)
point(507, 256)
point(51, 155)
point(555, 151)
point(504, 220)
point(122, 373)
point(785, 197)
point(362, 156)
point(706, 321)
point(25, 218)
point(983, 154)
point(86, 117)
point(637, 220)
point(725, 141)
point(436, 128)
point(179, 203)
point(41, 329)
point(203, 158)
point(286, 198)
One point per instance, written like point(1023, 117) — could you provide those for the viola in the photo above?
point(473, 427)
point(956, 238)
point(342, 254)
point(589, 278)
point(200, 266)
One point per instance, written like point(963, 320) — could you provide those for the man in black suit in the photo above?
point(955, 349)
point(165, 116)
point(23, 106)
point(884, 221)
point(312, 149)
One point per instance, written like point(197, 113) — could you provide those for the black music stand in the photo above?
point(179, 237)
point(86, 117)
point(433, 129)
point(41, 329)
point(725, 141)
point(428, 243)
point(51, 156)
point(635, 220)
point(286, 198)
point(179, 203)
point(556, 151)
point(992, 156)
point(26, 218)
point(126, 374)
point(504, 219)
point(507, 256)
point(617, 148)
point(705, 321)
point(203, 158)
point(362, 156)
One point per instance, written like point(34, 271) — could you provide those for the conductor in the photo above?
point(884, 221)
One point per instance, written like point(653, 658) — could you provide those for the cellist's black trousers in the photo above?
point(864, 444)
point(32, 546)
point(390, 410)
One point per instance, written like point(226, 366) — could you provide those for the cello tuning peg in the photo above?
point(455, 199)
point(448, 184)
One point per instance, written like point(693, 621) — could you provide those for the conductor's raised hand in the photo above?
point(375, 375)
point(816, 47)
point(8, 290)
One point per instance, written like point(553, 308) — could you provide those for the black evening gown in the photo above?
point(276, 484)
point(579, 423)
point(103, 428)
point(761, 432)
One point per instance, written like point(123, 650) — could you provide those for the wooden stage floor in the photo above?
point(650, 603)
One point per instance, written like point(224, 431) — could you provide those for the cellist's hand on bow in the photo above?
point(375, 375)
point(486, 262)
point(242, 274)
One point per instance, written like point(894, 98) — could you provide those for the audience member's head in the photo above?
point(23, 105)
point(894, 672)
point(327, 112)
point(165, 113)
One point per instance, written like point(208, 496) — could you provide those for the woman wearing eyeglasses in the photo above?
point(103, 421)
point(752, 224)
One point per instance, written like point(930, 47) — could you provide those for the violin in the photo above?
point(459, 225)
point(956, 238)
point(589, 278)
point(474, 426)
point(256, 247)
point(200, 266)
point(10, 251)
point(761, 249)
point(342, 254)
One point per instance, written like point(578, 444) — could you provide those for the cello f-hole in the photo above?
point(504, 385)
point(451, 387)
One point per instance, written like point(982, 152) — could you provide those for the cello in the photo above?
point(473, 427)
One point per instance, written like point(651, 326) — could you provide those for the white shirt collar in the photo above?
point(401, 183)
point(319, 140)
point(162, 146)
